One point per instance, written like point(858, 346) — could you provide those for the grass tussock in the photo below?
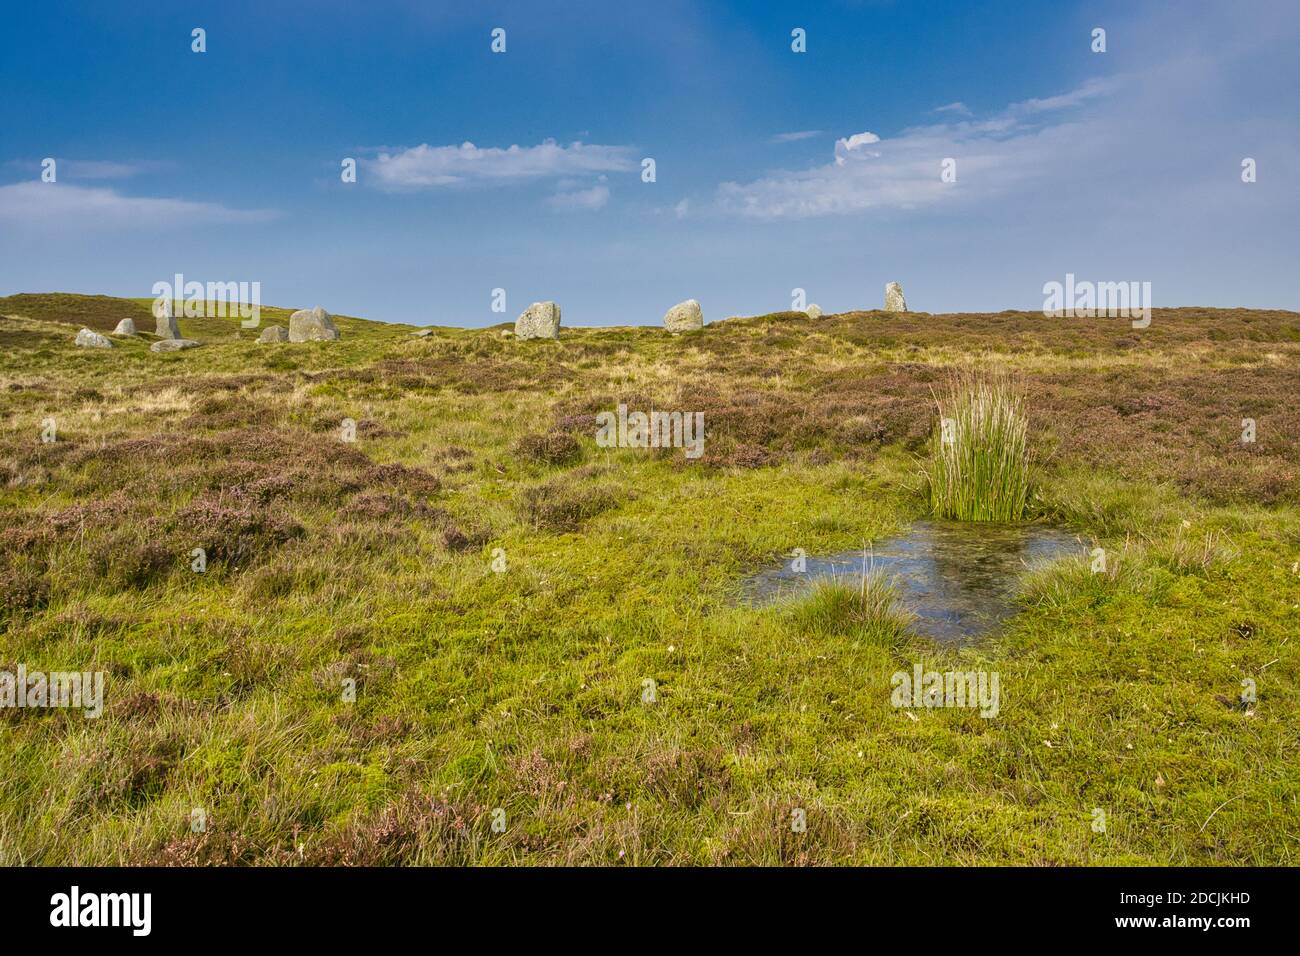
point(978, 468)
point(552, 448)
point(869, 608)
point(565, 503)
point(1190, 553)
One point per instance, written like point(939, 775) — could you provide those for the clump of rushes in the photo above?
point(978, 468)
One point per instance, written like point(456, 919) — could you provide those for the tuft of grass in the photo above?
point(870, 608)
point(1076, 583)
point(978, 468)
point(1196, 555)
point(552, 448)
point(563, 504)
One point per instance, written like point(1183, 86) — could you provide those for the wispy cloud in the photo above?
point(903, 172)
point(578, 199)
point(795, 136)
point(40, 205)
point(88, 168)
point(431, 167)
point(960, 108)
point(1090, 90)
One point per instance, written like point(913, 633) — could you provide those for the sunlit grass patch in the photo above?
point(1087, 581)
point(1195, 553)
point(868, 607)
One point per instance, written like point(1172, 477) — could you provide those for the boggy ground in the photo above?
point(526, 689)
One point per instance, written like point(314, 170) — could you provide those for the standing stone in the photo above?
point(684, 317)
point(125, 327)
point(273, 333)
point(174, 345)
point(894, 301)
point(541, 320)
point(813, 311)
point(312, 325)
point(90, 339)
point(165, 326)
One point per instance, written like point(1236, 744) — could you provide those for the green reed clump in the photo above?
point(978, 468)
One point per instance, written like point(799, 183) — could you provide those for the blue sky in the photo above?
point(774, 169)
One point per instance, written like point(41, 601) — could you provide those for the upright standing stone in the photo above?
point(541, 320)
point(90, 339)
point(125, 327)
point(165, 326)
point(813, 311)
point(312, 325)
point(894, 301)
point(684, 317)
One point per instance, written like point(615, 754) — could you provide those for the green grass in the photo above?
point(978, 468)
point(868, 610)
point(524, 690)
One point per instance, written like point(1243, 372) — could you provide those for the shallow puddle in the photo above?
point(958, 578)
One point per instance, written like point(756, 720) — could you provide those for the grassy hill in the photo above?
point(98, 312)
point(102, 313)
point(498, 590)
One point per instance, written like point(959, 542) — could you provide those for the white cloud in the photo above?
point(795, 136)
point(40, 205)
point(428, 167)
point(594, 198)
point(1090, 90)
point(86, 168)
point(1023, 143)
point(97, 169)
point(843, 147)
point(958, 107)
